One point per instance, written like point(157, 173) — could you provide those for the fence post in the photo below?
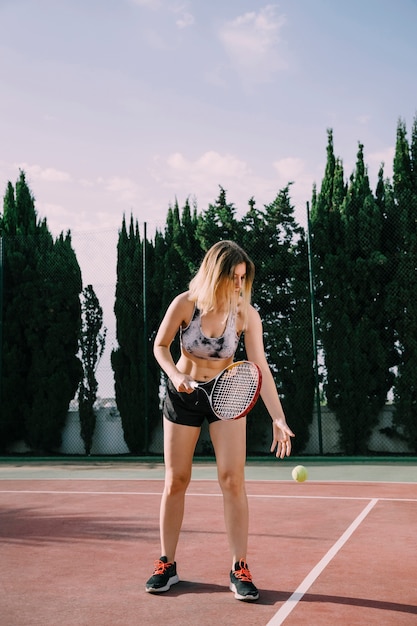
point(313, 330)
point(145, 342)
point(1, 318)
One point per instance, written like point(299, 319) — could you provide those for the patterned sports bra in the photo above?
point(196, 343)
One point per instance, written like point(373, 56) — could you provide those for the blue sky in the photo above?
point(114, 107)
point(120, 106)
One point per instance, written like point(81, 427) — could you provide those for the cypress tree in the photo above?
point(404, 294)
point(18, 277)
point(327, 244)
point(126, 359)
point(182, 251)
point(353, 285)
point(53, 332)
point(186, 244)
point(92, 343)
point(135, 371)
point(42, 321)
point(368, 339)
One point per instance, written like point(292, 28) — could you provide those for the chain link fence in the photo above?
point(97, 255)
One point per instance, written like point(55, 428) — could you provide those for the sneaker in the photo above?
point(164, 576)
point(241, 583)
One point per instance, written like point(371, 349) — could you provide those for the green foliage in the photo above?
point(135, 372)
point(42, 283)
point(125, 359)
point(351, 260)
point(403, 295)
point(217, 222)
point(92, 343)
point(277, 246)
point(365, 258)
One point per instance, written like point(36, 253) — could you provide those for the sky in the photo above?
point(123, 107)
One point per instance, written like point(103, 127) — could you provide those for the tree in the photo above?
point(351, 264)
point(218, 222)
point(18, 273)
point(126, 358)
point(135, 370)
point(54, 331)
point(92, 343)
point(277, 245)
point(403, 295)
point(42, 321)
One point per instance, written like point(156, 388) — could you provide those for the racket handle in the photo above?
point(194, 384)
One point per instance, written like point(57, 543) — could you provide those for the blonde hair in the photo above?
point(214, 281)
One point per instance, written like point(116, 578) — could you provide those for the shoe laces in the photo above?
point(242, 572)
point(161, 567)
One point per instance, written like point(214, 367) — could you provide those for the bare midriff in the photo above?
point(201, 370)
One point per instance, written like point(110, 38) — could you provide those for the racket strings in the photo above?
point(235, 391)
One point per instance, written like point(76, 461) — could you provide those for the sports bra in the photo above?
point(196, 343)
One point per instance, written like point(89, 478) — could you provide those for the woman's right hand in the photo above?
point(183, 383)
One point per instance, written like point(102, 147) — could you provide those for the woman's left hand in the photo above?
point(281, 434)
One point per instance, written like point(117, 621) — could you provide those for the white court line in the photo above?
point(196, 495)
point(87, 493)
point(295, 598)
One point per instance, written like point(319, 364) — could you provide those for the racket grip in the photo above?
point(194, 384)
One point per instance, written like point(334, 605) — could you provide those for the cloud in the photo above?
point(204, 174)
point(124, 188)
point(48, 174)
point(289, 169)
point(185, 20)
point(54, 213)
point(150, 4)
point(200, 178)
point(252, 44)
point(210, 164)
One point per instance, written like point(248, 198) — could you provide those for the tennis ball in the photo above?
point(299, 473)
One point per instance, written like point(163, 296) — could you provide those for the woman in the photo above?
point(210, 317)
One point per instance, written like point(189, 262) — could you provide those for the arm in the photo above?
point(255, 351)
point(178, 312)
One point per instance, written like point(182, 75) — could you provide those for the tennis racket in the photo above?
point(233, 392)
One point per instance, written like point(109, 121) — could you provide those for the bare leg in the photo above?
point(179, 447)
point(229, 441)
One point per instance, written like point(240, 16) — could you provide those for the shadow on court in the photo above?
point(380, 605)
point(78, 553)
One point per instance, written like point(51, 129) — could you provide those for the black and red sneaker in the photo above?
point(165, 575)
point(241, 583)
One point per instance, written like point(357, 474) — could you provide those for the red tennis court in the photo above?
point(77, 546)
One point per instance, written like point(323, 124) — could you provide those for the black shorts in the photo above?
point(189, 409)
